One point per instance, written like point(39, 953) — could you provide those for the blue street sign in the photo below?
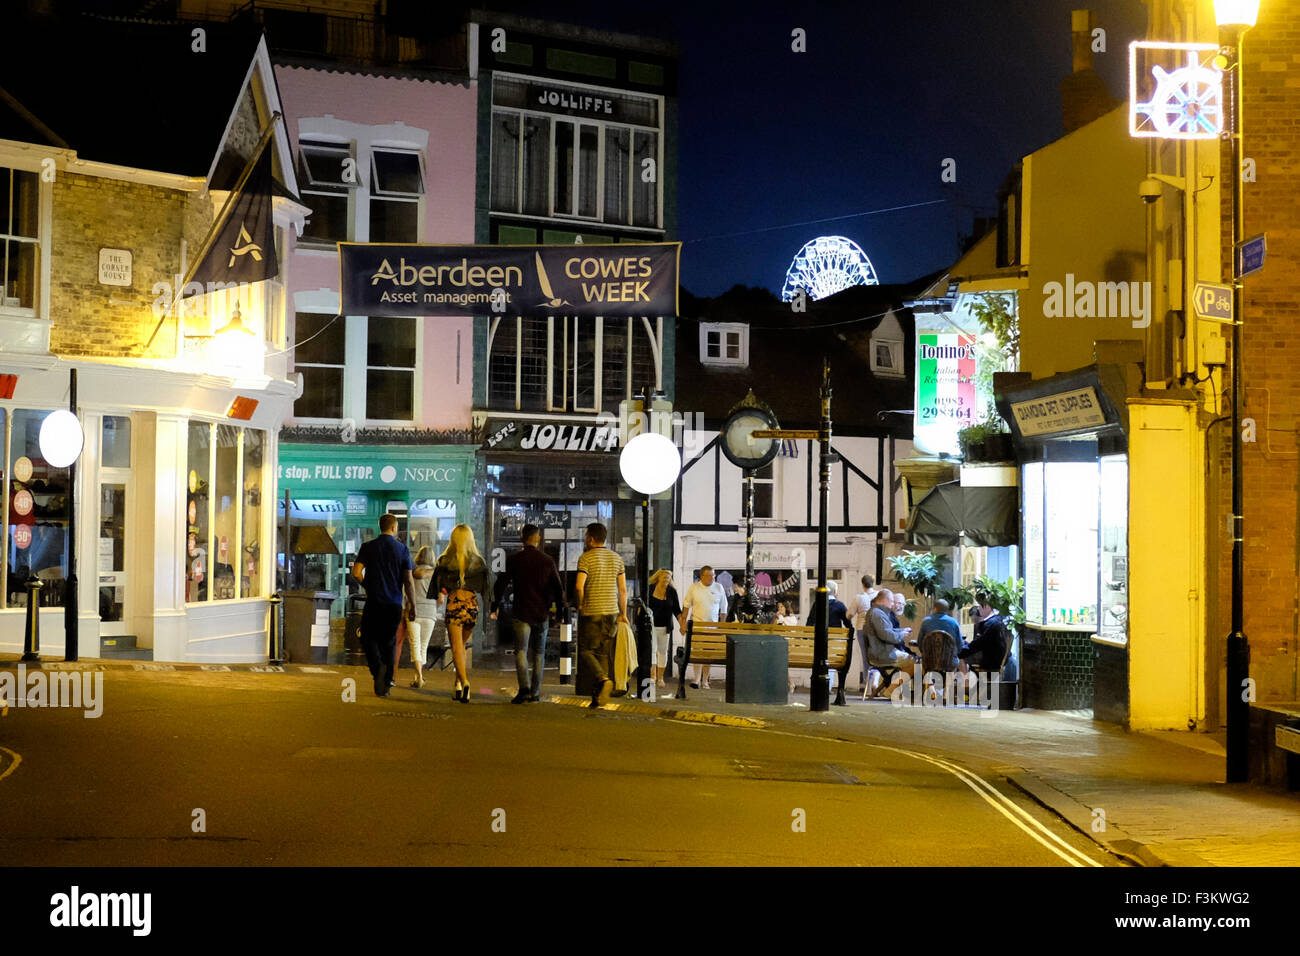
point(1250, 255)
point(1210, 300)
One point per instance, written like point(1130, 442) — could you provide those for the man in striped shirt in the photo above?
point(602, 603)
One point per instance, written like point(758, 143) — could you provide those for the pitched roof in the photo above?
point(132, 94)
point(786, 350)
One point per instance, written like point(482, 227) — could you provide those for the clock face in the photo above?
point(743, 450)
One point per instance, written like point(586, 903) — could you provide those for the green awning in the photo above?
point(952, 514)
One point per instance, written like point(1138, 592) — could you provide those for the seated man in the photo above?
point(886, 644)
point(989, 647)
point(941, 620)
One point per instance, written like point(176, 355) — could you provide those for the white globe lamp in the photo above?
point(61, 438)
point(650, 463)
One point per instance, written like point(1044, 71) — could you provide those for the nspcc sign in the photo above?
point(617, 279)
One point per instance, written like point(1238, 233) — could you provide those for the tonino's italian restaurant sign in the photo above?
point(551, 436)
point(538, 281)
point(1067, 411)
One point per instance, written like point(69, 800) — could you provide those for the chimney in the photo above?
point(1084, 95)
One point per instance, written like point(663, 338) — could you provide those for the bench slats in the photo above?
point(708, 642)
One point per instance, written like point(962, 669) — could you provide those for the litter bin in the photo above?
point(353, 652)
point(758, 669)
point(307, 626)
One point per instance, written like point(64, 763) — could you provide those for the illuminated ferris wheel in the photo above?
point(826, 265)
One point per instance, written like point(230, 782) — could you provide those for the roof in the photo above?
point(131, 94)
point(786, 350)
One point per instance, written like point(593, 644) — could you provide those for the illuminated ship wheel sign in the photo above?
point(827, 265)
point(1186, 102)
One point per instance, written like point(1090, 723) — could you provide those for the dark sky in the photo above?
point(862, 121)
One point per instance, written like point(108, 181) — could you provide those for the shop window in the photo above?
point(326, 177)
point(319, 355)
point(198, 511)
point(618, 174)
point(390, 368)
point(577, 151)
point(250, 556)
point(616, 335)
point(502, 363)
point(1075, 539)
point(724, 343)
point(223, 512)
point(505, 162)
point(586, 363)
point(19, 237)
point(396, 187)
point(36, 540)
point(533, 360)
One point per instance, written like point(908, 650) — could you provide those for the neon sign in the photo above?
point(1175, 91)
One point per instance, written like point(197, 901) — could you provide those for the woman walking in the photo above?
point(462, 575)
point(426, 610)
point(664, 607)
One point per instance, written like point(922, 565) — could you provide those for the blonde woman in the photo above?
point(664, 606)
point(426, 611)
point(461, 575)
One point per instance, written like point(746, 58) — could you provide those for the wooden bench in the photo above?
point(706, 643)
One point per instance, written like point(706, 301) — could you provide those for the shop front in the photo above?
point(169, 511)
point(1072, 436)
point(344, 489)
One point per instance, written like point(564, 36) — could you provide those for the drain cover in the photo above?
point(795, 772)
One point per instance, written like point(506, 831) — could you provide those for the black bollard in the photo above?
point(275, 654)
point(32, 639)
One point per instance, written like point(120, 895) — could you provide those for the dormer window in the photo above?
point(724, 343)
point(887, 357)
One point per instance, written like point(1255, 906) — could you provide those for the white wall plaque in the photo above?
point(115, 267)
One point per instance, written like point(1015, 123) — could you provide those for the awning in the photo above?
point(951, 515)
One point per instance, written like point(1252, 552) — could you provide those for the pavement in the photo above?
point(1152, 799)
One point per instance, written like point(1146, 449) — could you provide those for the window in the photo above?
point(390, 368)
point(36, 539)
point(887, 357)
point(19, 239)
point(586, 167)
point(319, 355)
point(396, 185)
point(724, 343)
point(765, 491)
point(327, 174)
point(223, 512)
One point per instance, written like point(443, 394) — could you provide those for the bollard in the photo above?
point(32, 639)
point(275, 655)
point(566, 653)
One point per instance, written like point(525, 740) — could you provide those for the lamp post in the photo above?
point(61, 441)
point(650, 464)
point(1237, 16)
point(747, 443)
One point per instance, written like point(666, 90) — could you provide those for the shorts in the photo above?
point(462, 610)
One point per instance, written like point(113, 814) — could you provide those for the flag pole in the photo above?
point(218, 223)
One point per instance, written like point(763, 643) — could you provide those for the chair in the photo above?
point(938, 649)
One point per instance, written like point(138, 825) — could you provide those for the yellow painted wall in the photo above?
point(1085, 219)
point(1166, 566)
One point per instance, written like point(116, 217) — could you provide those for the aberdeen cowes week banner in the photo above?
point(616, 279)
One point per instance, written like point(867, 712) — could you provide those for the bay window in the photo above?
point(223, 510)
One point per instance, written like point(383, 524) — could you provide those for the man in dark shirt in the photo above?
point(383, 566)
point(837, 615)
point(537, 586)
point(989, 647)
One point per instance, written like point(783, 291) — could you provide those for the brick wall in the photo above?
point(1271, 356)
point(91, 213)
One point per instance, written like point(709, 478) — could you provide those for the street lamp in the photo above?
point(650, 464)
point(61, 442)
point(1237, 16)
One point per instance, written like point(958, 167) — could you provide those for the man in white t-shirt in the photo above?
point(705, 600)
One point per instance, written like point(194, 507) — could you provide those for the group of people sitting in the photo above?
point(885, 643)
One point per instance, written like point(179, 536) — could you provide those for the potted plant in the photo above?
point(921, 571)
point(1005, 597)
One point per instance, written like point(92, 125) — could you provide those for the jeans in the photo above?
point(379, 639)
point(420, 631)
point(523, 659)
point(596, 643)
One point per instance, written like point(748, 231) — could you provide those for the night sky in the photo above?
point(862, 121)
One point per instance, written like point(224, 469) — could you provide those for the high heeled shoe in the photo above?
point(464, 694)
point(456, 693)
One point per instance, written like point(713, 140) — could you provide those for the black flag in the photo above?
point(243, 249)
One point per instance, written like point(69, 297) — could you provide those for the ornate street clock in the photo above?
point(738, 444)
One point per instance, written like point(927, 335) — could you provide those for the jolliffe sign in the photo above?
point(538, 281)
